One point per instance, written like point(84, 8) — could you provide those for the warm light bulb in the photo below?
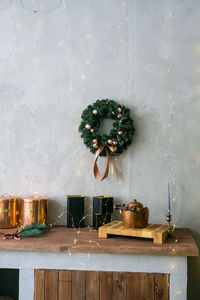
point(70, 88)
point(83, 76)
point(173, 267)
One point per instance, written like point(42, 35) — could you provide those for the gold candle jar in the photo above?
point(34, 210)
point(9, 213)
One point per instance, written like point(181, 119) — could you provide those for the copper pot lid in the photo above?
point(134, 204)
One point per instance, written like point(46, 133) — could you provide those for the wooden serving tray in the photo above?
point(153, 231)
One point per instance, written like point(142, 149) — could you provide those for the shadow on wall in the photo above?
point(194, 274)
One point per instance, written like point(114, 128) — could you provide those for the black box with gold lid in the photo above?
point(75, 211)
point(102, 205)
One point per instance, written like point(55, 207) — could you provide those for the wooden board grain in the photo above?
point(39, 285)
point(51, 285)
point(92, 285)
point(62, 239)
point(119, 286)
point(65, 285)
point(161, 286)
point(147, 285)
point(133, 286)
point(140, 286)
point(78, 285)
point(106, 286)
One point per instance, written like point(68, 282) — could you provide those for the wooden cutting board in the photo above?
point(153, 231)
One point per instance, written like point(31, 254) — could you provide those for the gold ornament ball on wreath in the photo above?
point(91, 119)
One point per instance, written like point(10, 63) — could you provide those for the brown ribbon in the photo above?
point(109, 164)
point(14, 235)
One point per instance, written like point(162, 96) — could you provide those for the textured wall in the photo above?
point(144, 54)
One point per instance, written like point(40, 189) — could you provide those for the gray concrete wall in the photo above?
point(143, 54)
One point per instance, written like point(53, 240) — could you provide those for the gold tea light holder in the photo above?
point(34, 209)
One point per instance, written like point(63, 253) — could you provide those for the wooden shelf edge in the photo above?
point(65, 240)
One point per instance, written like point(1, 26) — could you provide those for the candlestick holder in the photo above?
point(168, 219)
point(171, 232)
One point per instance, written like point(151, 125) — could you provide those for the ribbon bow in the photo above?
point(109, 163)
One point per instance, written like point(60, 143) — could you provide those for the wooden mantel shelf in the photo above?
point(62, 239)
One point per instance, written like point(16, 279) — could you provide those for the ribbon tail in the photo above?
point(107, 167)
point(95, 168)
point(112, 168)
point(109, 163)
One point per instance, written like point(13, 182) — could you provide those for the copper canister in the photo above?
point(8, 212)
point(34, 210)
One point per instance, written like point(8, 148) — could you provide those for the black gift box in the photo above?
point(102, 205)
point(100, 220)
point(75, 211)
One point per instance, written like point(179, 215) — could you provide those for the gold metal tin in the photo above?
point(34, 210)
point(9, 212)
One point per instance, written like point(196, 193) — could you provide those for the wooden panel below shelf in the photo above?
point(58, 285)
point(62, 239)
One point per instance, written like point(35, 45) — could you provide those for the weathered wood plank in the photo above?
point(61, 239)
point(65, 285)
point(51, 285)
point(39, 285)
point(147, 285)
point(161, 286)
point(78, 285)
point(119, 286)
point(92, 285)
point(140, 286)
point(133, 286)
point(106, 286)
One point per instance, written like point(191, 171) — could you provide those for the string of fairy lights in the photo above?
point(168, 156)
point(39, 6)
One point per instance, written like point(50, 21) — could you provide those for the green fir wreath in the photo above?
point(120, 135)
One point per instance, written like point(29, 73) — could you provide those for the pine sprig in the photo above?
point(33, 230)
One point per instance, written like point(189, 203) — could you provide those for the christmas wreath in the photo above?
point(120, 135)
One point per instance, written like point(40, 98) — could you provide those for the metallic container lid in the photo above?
point(75, 196)
point(134, 204)
point(103, 197)
point(4, 198)
point(34, 198)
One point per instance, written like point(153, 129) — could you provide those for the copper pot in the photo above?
point(8, 212)
point(134, 215)
point(34, 210)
